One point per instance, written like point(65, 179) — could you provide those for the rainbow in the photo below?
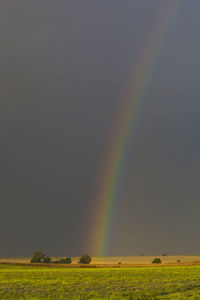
point(123, 131)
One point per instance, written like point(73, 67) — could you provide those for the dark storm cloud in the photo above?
point(64, 68)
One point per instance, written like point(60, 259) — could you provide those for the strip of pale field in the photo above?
point(117, 261)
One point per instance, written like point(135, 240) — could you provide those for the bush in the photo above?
point(37, 257)
point(35, 260)
point(85, 259)
point(66, 260)
point(156, 261)
point(46, 260)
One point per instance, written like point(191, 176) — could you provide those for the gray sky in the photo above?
point(64, 66)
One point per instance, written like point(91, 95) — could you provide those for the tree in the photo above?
point(66, 260)
point(85, 259)
point(37, 257)
point(156, 261)
point(46, 260)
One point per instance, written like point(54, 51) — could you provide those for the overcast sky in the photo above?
point(64, 65)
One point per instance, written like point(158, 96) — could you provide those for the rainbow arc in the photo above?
point(125, 126)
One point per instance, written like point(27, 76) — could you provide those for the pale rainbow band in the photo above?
point(125, 124)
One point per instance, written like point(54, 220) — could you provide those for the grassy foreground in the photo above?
point(20, 282)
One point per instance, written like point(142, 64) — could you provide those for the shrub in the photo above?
point(66, 260)
point(37, 257)
point(156, 261)
point(85, 259)
point(46, 260)
point(35, 260)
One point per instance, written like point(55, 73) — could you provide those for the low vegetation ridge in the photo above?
point(109, 262)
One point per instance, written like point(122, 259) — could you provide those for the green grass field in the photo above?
point(20, 282)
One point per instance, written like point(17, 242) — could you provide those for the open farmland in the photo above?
point(17, 282)
point(124, 260)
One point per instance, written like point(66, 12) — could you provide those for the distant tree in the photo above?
point(156, 261)
point(46, 260)
point(85, 259)
point(66, 260)
point(37, 257)
point(164, 254)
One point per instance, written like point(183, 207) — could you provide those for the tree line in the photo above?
point(40, 257)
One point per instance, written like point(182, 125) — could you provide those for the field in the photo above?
point(125, 260)
point(28, 282)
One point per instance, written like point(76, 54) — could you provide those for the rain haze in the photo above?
point(65, 68)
